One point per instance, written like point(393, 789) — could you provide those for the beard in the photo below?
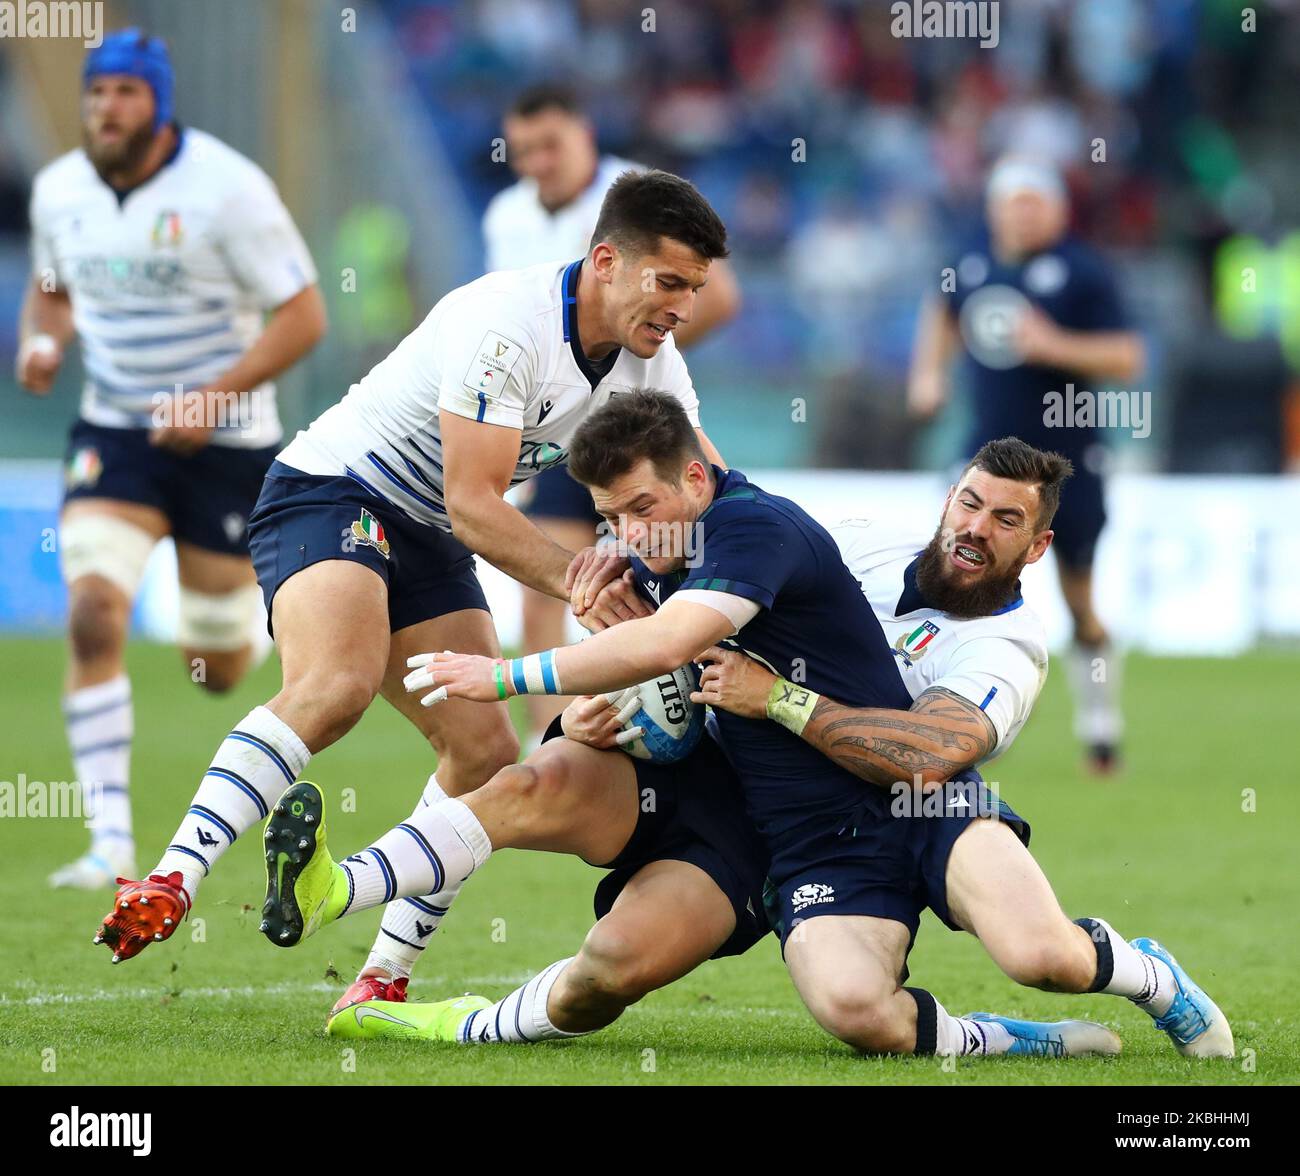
point(126, 156)
point(993, 589)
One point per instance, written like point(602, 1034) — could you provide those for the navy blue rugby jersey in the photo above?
point(814, 627)
point(1070, 283)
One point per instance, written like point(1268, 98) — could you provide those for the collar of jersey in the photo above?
point(726, 484)
point(595, 372)
point(123, 193)
point(913, 598)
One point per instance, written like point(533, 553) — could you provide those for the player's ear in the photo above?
point(1038, 548)
point(603, 257)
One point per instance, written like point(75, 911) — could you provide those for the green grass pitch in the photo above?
point(1166, 849)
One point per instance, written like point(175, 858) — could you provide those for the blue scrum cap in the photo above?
point(132, 52)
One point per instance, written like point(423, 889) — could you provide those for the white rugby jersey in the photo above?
point(998, 662)
point(518, 231)
point(169, 284)
point(503, 349)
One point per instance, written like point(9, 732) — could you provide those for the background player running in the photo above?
point(1035, 310)
point(365, 531)
point(160, 249)
point(549, 215)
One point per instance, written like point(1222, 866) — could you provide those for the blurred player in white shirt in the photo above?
point(161, 250)
point(549, 215)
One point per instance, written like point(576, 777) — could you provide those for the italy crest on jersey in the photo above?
point(84, 468)
point(913, 645)
point(167, 229)
point(370, 530)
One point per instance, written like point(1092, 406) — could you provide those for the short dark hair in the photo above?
point(643, 423)
point(642, 207)
point(1010, 457)
point(546, 96)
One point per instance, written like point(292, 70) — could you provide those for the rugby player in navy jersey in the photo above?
point(1036, 314)
point(723, 559)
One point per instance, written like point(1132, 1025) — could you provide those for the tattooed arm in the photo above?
point(941, 735)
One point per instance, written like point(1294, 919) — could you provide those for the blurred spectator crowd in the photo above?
point(848, 163)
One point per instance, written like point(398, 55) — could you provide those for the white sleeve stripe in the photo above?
point(736, 609)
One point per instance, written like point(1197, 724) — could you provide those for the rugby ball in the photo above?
point(671, 722)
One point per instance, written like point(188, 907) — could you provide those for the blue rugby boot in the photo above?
point(1195, 1024)
point(1054, 1039)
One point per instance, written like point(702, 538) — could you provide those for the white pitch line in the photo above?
point(115, 994)
point(97, 995)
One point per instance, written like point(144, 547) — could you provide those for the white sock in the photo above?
point(1095, 672)
point(409, 923)
point(438, 844)
point(255, 763)
point(519, 1017)
point(99, 722)
point(1148, 982)
point(962, 1037)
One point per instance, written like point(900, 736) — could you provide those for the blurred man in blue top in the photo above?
point(1038, 320)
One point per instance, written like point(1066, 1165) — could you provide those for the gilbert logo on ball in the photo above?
point(671, 723)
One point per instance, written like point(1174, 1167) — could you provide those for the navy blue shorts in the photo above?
point(1079, 518)
point(889, 859)
point(697, 816)
point(206, 496)
point(555, 494)
point(301, 519)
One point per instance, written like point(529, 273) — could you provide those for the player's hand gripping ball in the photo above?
point(671, 724)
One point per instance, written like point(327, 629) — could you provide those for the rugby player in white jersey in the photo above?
point(365, 533)
point(161, 250)
point(973, 658)
point(549, 215)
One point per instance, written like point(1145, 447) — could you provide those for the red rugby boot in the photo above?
point(142, 913)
